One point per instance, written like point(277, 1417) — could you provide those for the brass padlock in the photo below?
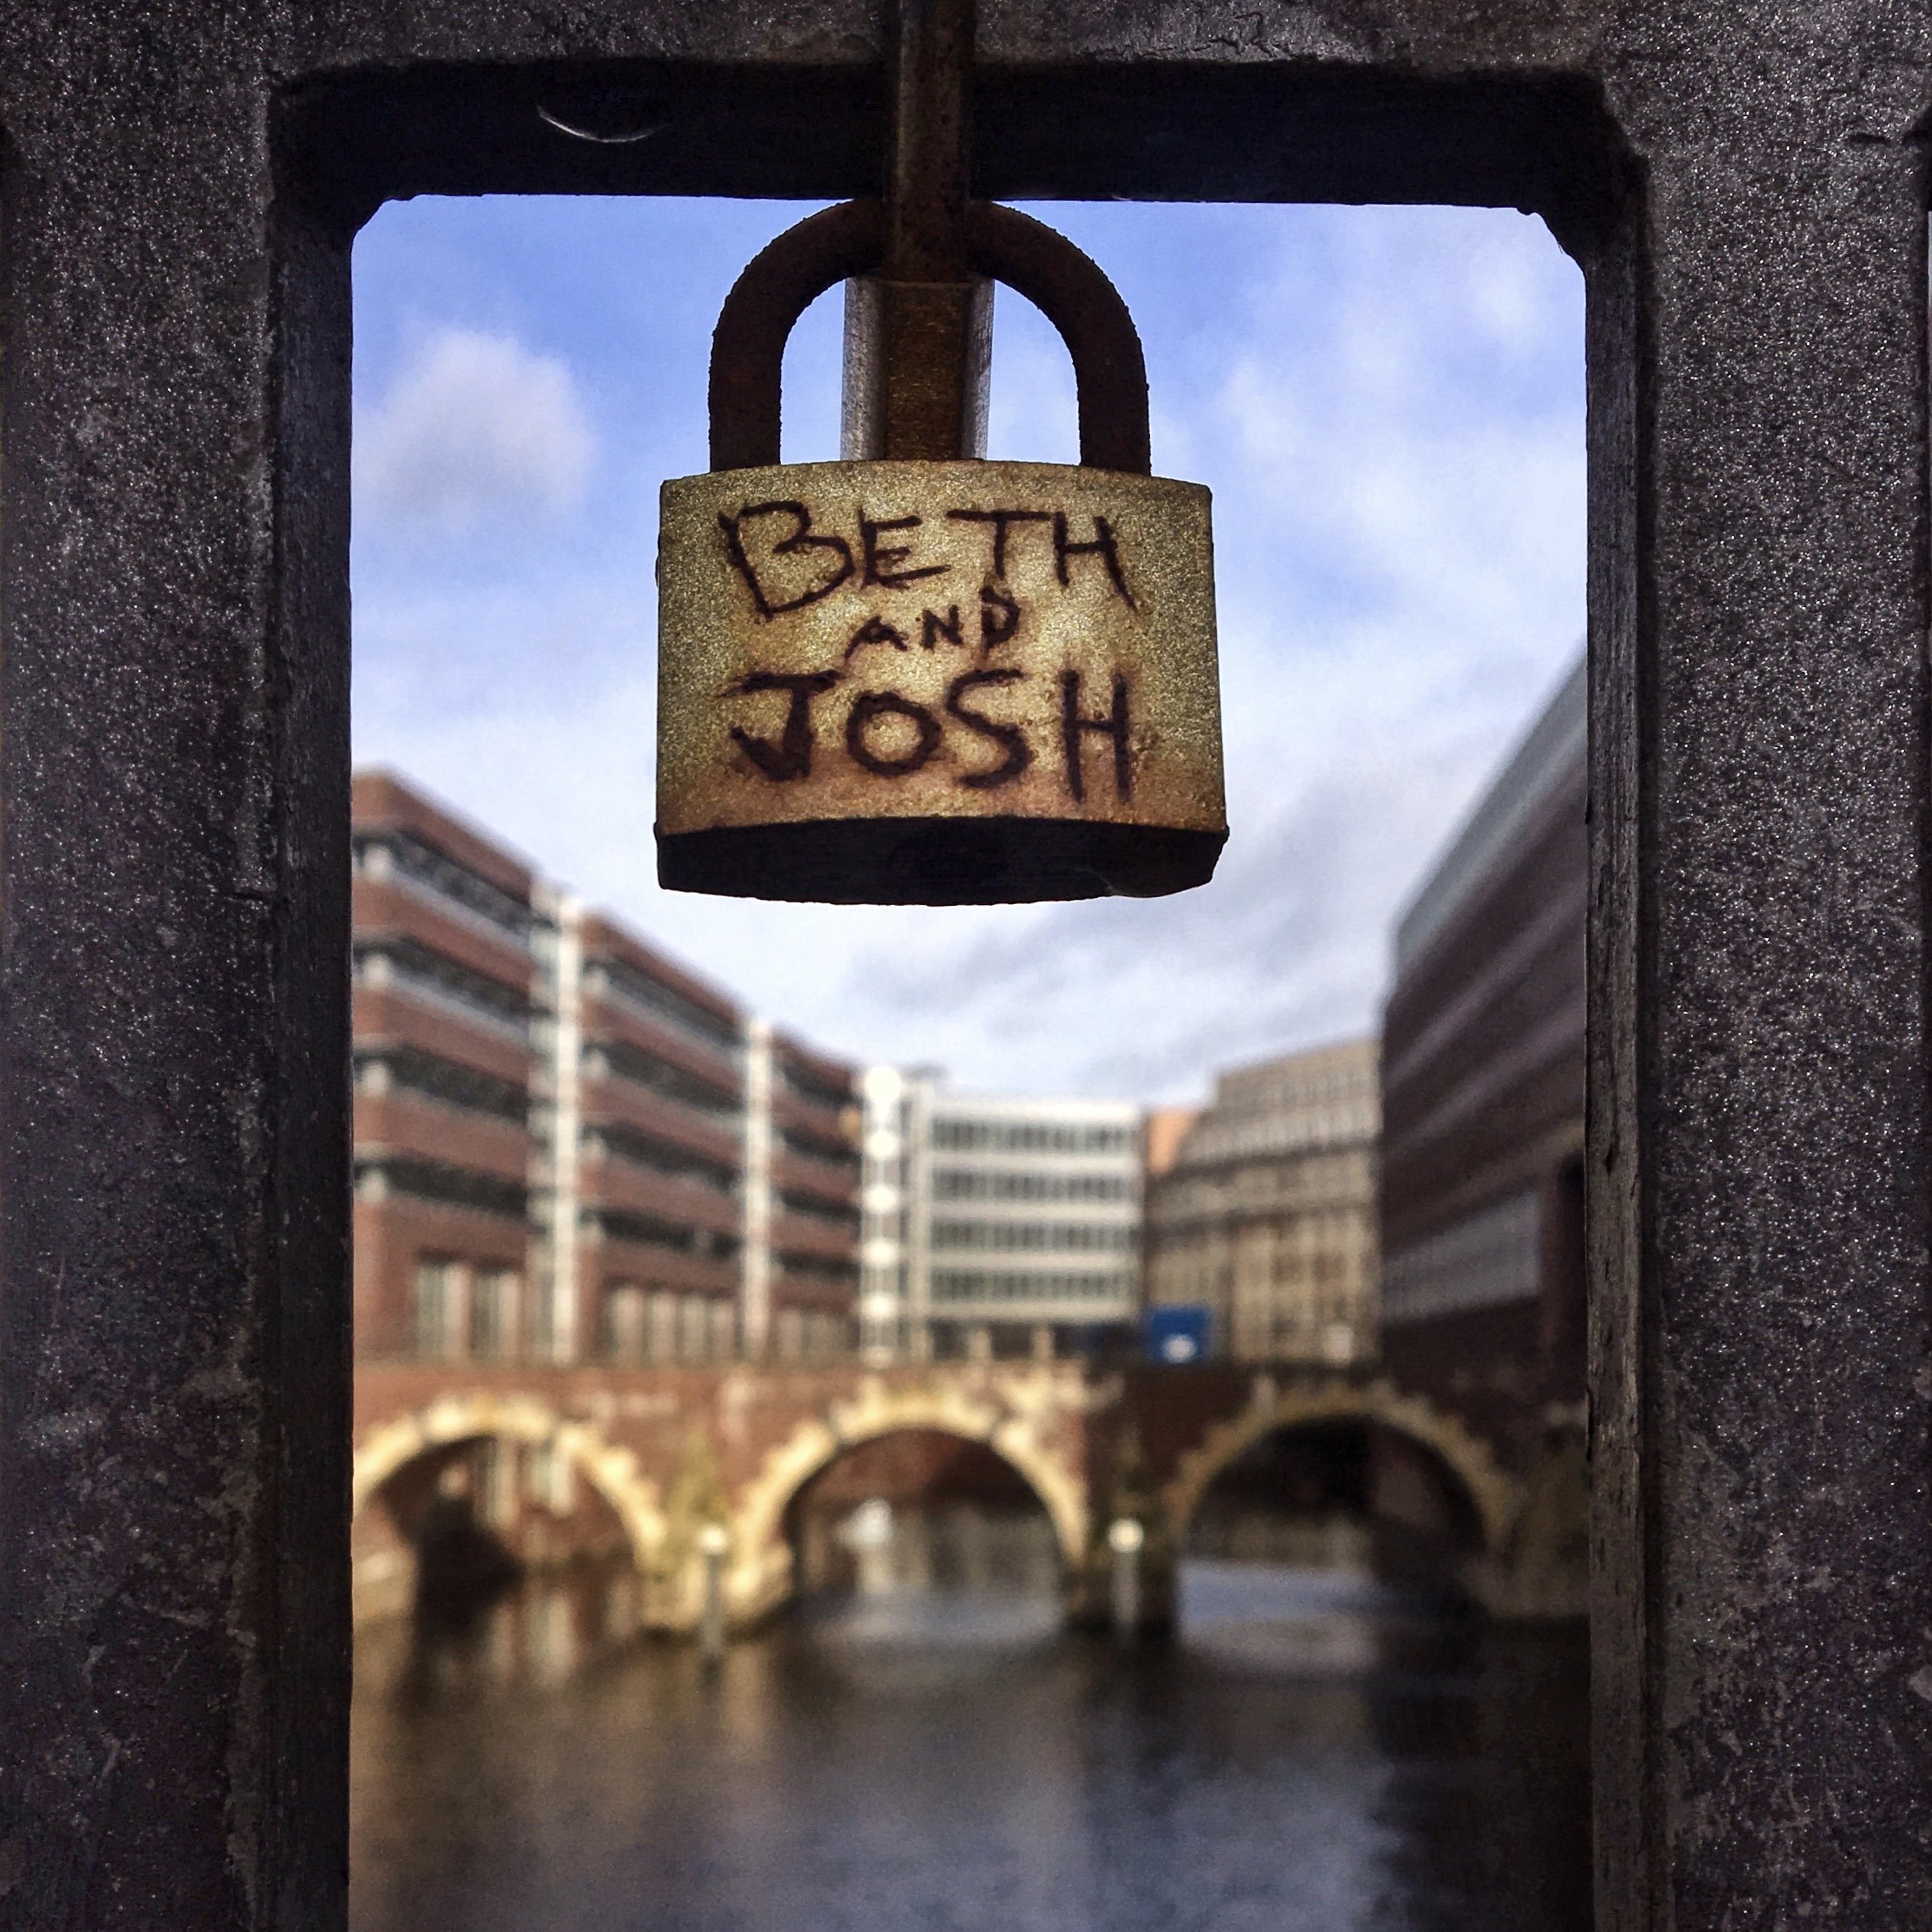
point(935, 682)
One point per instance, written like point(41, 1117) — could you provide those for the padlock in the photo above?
point(935, 682)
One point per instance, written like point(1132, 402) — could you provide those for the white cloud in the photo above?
point(477, 431)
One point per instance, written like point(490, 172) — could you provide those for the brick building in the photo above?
point(810, 1243)
point(1265, 1216)
point(1483, 1060)
point(566, 1146)
point(446, 989)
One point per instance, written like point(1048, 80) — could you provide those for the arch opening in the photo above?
point(450, 1506)
point(762, 1577)
point(1347, 1493)
point(457, 1525)
point(1357, 1478)
point(921, 1510)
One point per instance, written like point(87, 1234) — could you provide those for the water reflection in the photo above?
point(925, 1746)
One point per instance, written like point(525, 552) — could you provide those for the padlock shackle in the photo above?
point(1068, 288)
point(1071, 289)
point(778, 284)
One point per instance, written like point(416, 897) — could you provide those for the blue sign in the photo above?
point(1176, 1336)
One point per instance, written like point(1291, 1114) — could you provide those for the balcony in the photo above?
point(430, 979)
point(608, 1100)
point(806, 1234)
point(608, 1016)
point(808, 1117)
point(664, 1006)
point(615, 1258)
point(621, 1184)
point(395, 1013)
point(398, 908)
point(833, 1181)
point(400, 1123)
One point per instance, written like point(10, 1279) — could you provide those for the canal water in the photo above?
point(925, 1748)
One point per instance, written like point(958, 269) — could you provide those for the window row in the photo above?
point(642, 1325)
point(405, 965)
point(417, 1178)
point(959, 1286)
point(380, 855)
point(966, 1183)
point(464, 1312)
point(616, 1059)
point(1039, 1236)
point(615, 979)
point(408, 1069)
point(979, 1136)
point(814, 1208)
point(615, 1141)
point(813, 1089)
point(817, 1147)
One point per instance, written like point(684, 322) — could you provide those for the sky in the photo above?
point(1388, 404)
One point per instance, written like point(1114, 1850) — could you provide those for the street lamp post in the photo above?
point(1125, 1537)
point(714, 1543)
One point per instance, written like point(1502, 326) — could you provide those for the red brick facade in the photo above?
point(555, 1128)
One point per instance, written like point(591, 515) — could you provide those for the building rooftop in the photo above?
point(382, 801)
point(1024, 1106)
point(1327, 1096)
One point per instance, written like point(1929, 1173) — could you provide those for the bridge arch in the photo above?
point(761, 1577)
point(1464, 1455)
point(472, 1415)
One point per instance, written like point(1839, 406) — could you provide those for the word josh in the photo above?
point(887, 751)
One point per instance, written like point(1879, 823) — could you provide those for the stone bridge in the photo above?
point(557, 1462)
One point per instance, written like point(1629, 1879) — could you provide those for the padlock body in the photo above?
point(936, 683)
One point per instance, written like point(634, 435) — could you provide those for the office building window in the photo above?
point(437, 1294)
point(626, 1319)
point(693, 1322)
point(493, 1313)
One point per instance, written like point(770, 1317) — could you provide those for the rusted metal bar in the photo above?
point(930, 132)
point(778, 285)
point(919, 336)
point(1068, 287)
point(1072, 291)
point(919, 268)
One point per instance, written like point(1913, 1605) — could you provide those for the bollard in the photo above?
point(714, 1542)
point(1125, 1537)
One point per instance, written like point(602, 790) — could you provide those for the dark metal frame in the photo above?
point(178, 189)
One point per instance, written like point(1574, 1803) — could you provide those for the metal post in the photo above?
point(714, 1542)
point(1125, 1538)
point(919, 335)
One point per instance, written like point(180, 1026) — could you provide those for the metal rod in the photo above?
point(919, 335)
point(929, 140)
point(1125, 1538)
point(713, 1541)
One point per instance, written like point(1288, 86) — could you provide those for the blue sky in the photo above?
point(1387, 403)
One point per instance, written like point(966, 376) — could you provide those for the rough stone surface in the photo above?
point(1745, 185)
